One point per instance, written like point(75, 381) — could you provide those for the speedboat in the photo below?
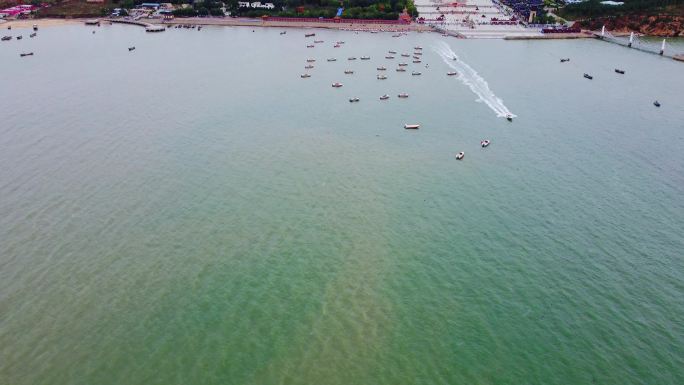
point(402, 64)
point(509, 117)
point(131, 48)
point(452, 73)
point(308, 67)
point(411, 126)
point(384, 97)
point(332, 59)
point(622, 72)
point(351, 58)
point(484, 143)
point(382, 69)
point(310, 60)
point(460, 155)
point(337, 85)
point(656, 103)
point(382, 77)
point(403, 95)
point(415, 73)
point(587, 76)
point(564, 60)
point(401, 69)
point(352, 100)
point(304, 76)
point(365, 57)
point(26, 54)
point(348, 72)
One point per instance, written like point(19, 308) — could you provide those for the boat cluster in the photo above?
point(20, 37)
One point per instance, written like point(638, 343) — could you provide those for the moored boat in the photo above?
point(19, 37)
point(5, 38)
point(336, 46)
point(310, 46)
point(384, 97)
point(622, 72)
point(382, 77)
point(382, 69)
point(318, 41)
point(460, 155)
point(656, 103)
point(401, 69)
point(392, 52)
point(35, 27)
point(332, 59)
point(564, 60)
point(418, 47)
point(365, 57)
point(131, 48)
point(352, 100)
point(405, 55)
point(416, 61)
point(484, 143)
point(348, 72)
point(416, 73)
point(310, 60)
point(587, 76)
point(452, 73)
point(389, 57)
point(304, 76)
point(403, 64)
point(403, 95)
point(26, 54)
point(351, 58)
point(411, 126)
point(309, 34)
point(308, 67)
point(337, 85)
point(283, 32)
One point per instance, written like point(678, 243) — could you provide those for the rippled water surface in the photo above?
point(193, 212)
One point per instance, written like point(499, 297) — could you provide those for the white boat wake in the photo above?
point(468, 76)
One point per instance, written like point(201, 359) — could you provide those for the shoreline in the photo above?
point(251, 22)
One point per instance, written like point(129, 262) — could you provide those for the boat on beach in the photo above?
point(411, 126)
point(460, 155)
point(337, 85)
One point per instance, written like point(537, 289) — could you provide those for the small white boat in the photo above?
point(353, 100)
point(401, 69)
point(382, 69)
point(365, 57)
point(382, 77)
point(332, 59)
point(460, 155)
point(416, 73)
point(337, 85)
point(351, 58)
point(348, 72)
point(310, 60)
point(384, 97)
point(403, 95)
point(484, 143)
point(411, 126)
point(452, 73)
point(304, 76)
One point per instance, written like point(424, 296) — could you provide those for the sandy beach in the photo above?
point(28, 23)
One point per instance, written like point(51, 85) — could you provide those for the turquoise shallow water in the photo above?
point(193, 212)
